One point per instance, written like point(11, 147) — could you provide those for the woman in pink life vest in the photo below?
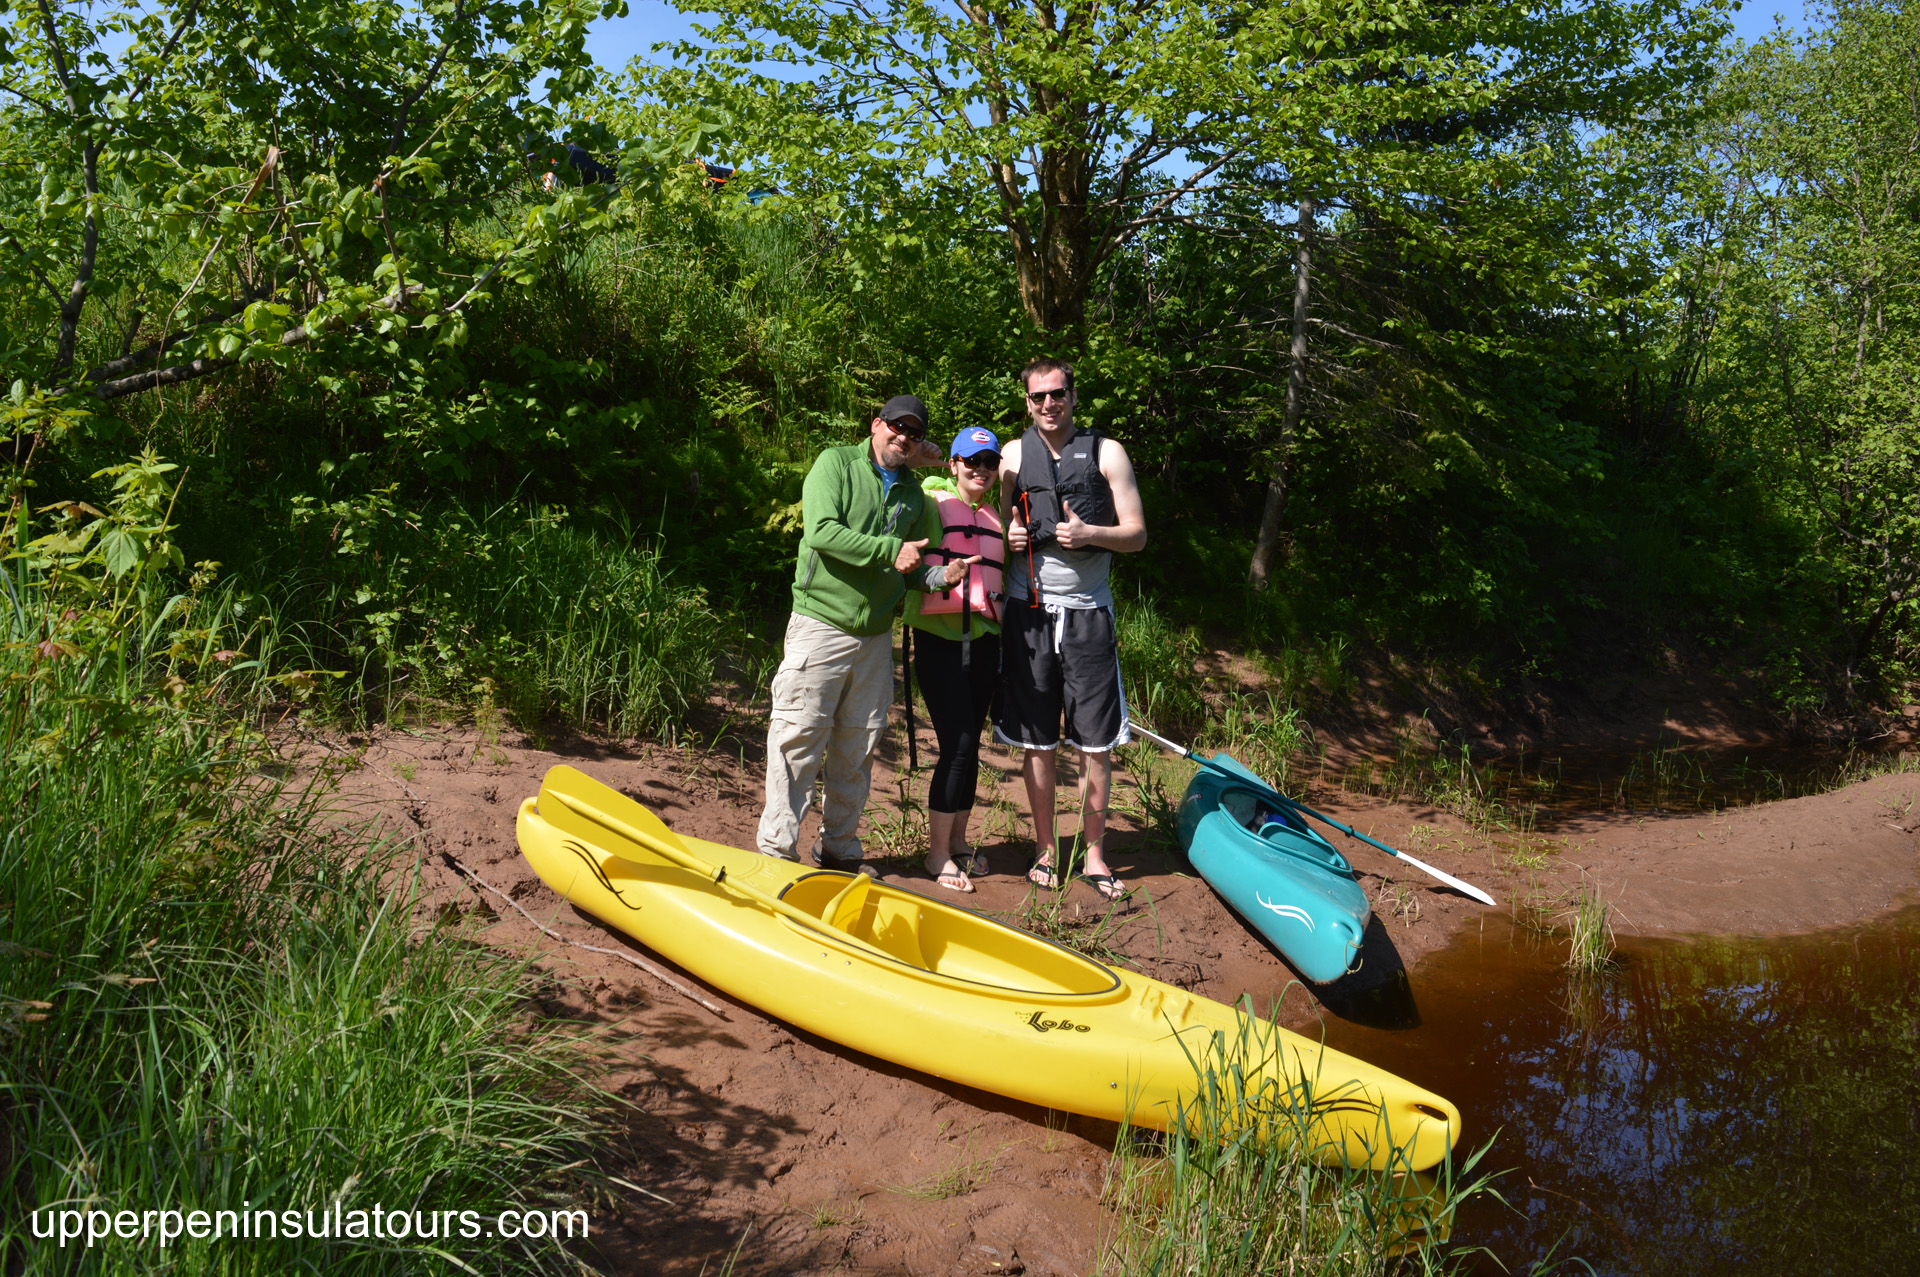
point(956, 658)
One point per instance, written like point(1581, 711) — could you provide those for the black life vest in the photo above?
point(1044, 485)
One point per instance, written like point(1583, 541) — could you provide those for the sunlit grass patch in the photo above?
point(1157, 664)
point(1589, 922)
point(1237, 1187)
point(1153, 798)
point(1398, 900)
point(1051, 914)
point(898, 836)
point(969, 1174)
point(1266, 733)
point(508, 609)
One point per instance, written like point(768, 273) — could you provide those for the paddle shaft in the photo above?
point(713, 873)
point(1305, 810)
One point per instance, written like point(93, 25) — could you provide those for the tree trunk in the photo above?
point(1260, 571)
point(83, 274)
point(1054, 263)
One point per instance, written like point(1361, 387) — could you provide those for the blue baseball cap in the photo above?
point(973, 441)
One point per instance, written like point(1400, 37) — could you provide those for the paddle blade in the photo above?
point(568, 796)
point(1451, 881)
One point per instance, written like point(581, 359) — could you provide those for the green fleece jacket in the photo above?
point(845, 576)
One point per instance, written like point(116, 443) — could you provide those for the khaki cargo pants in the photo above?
point(830, 699)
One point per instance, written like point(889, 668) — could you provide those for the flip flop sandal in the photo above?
point(974, 863)
point(1106, 884)
point(1043, 876)
point(954, 879)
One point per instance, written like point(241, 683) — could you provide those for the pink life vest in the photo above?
point(967, 532)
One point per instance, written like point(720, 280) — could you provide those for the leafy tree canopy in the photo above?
point(1071, 128)
point(241, 181)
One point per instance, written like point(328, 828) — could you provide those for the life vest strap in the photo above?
point(942, 552)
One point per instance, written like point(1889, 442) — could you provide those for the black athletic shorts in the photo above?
point(1060, 662)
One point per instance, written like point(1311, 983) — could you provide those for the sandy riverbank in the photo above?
point(825, 1160)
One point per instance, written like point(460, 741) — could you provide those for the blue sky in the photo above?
point(614, 42)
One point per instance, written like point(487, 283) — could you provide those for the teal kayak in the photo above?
point(1284, 879)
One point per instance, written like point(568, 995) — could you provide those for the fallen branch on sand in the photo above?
point(642, 963)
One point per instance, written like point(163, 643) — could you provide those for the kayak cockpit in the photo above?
point(942, 941)
point(1280, 828)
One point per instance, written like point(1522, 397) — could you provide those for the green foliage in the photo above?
point(913, 125)
point(508, 604)
point(1234, 1188)
point(1157, 665)
point(1818, 336)
point(209, 995)
point(1265, 732)
point(1514, 448)
point(241, 182)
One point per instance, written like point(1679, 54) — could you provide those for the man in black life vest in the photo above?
point(1069, 503)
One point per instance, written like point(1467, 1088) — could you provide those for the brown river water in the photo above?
point(1709, 1107)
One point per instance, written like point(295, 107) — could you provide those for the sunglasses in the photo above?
point(1041, 396)
point(914, 431)
point(981, 461)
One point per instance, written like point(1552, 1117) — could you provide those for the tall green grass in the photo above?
point(1266, 733)
point(1590, 939)
point(213, 1000)
point(1233, 1189)
point(512, 604)
point(1157, 665)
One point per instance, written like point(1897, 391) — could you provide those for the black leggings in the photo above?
point(958, 703)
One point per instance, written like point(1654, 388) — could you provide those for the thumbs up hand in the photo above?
point(1071, 533)
point(909, 557)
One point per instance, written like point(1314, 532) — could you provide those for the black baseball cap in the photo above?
point(906, 406)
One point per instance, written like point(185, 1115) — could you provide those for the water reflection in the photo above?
point(1712, 1107)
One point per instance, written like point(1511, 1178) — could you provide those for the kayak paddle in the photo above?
point(1451, 881)
point(653, 834)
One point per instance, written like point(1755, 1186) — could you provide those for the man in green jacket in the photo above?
point(866, 524)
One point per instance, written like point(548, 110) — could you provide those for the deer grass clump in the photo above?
point(1234, 1188)
point(1589, 922)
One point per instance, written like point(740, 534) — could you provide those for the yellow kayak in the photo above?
point(948, 992)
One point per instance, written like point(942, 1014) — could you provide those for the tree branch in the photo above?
point(24, 96)
point(426, 82)
point(32, 265)
point(166, 50)
point(194, 369)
